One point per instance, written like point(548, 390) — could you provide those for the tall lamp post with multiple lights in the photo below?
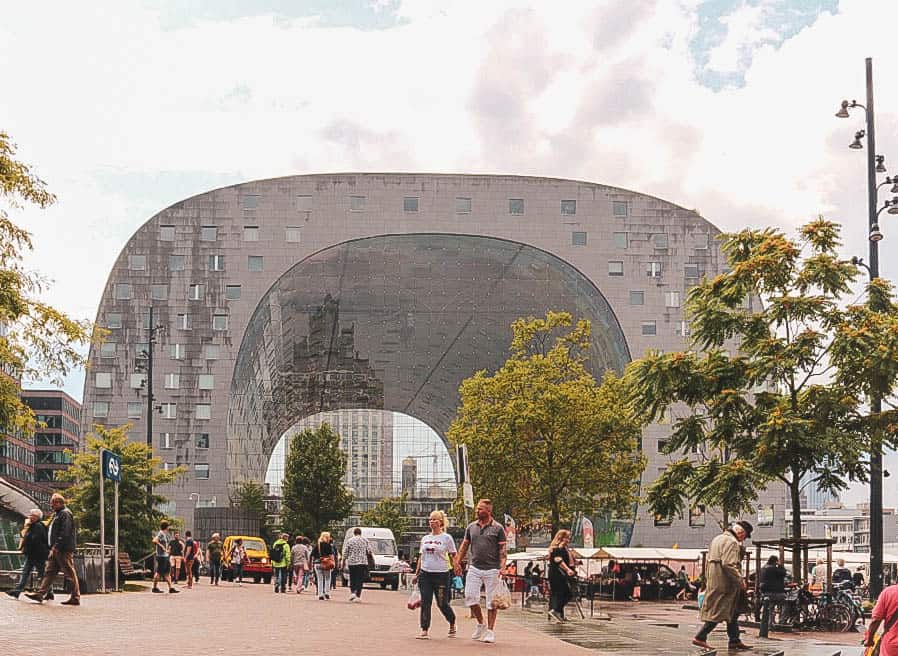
point(875, 164)
point(153, 330)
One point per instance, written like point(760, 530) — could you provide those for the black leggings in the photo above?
point(435, 584)
point(561, 595)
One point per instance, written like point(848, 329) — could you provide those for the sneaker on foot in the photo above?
point(478, 632)
point(554, 614)
point(71, 602)
point(173, 591)
point(34, 596)
point(422, 636)
point(327, 596)
point(698, 642)
point(452, 631)
point(156, 590)
point(352, 597)
point(13, 594)
point(488, 636)
point(739, 645)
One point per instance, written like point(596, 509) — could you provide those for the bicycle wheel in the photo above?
point(835, 618)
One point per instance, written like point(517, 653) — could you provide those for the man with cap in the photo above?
point(724, 585)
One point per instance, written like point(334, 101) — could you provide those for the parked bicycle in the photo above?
point(801, 609)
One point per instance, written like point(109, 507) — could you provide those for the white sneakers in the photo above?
point(488, 636)
point(478, 632)
point(352, 597)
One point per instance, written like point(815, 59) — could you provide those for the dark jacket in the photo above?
point(62, 530)
point(773, 579)
point(323, 549)
point(34, 544)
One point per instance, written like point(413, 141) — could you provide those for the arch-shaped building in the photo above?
point(282, 298)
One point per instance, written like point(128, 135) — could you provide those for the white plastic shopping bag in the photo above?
point(414, 599)
point(502, 598)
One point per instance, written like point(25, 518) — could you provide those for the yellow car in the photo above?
point(257, 565)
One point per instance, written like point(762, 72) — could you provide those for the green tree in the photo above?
point(250, 496)
point(40, 341)
point(545, 440)
point(314, 494)
point(137, 520)
point(758, 398)
point(389, 513)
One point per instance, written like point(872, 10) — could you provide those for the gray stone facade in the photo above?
point(281, 298)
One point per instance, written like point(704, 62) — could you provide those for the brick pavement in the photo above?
point(248, 621)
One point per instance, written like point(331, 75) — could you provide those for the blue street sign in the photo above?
point(112, 466)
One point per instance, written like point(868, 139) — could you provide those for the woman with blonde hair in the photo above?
point(434, 573)
point(561, 569)
point(324, 562)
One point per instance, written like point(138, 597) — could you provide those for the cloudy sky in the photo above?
point(726, 106)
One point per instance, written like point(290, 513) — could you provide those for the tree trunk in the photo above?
point(795, 494)
point(556, 518)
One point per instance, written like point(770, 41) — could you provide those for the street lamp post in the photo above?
point(151, 340)
point(875, 164)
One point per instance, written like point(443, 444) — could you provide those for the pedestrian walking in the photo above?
point(62, 541)
point(213, 558)
point(238, 559)
point(280, 561)
point(176, 555)
point(324, 559)
point(356, 554)
point(885, 614)
point(162, 541)
point(561, 570)
point(35, 547)
point(299, 557)
point(434, 573)
point(191, 549)
point(725, 585)
point(485, 538)
point(338, 562)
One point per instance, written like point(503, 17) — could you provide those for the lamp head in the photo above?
point(880, 164)
point(875, 234)
point(856, 144)
point(893, 205)
point(843, 110)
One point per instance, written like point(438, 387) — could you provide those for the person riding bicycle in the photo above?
point(841, 573)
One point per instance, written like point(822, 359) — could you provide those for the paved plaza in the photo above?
point(252, 620)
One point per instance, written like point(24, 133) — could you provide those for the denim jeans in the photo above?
point(238, 573)
point(214, 570)
point(280, 578)
point(37, 566)
point(435, 584)
point(323, 576)
point(306, 575)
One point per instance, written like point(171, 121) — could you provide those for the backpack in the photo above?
point(277, 552)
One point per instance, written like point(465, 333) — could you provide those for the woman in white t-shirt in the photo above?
point(434, 573)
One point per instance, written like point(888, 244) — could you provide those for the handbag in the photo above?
point(877, 640)
point(327, 563)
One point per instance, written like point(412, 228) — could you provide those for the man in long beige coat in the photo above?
point(724, 585)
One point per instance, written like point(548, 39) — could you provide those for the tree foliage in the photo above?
point(761, 401)
point(314, 493)
point(389, 513)
point(137, 519)
point(41, 341)
point(250, 496)
point(545, 440)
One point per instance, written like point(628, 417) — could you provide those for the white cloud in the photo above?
point(746, 28)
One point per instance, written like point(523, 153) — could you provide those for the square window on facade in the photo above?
point(172, 381)
point(166, 233)
point(183, 322)
point(692, 271)
point(568, 207)
point(255, 263)
point(649, 328)
point(177, 351)
point(216, 263)
point(123, 291)
point(683, 329)
point(232, 292)
point(701, 241)
point(165, 441)
point(107, 350)
point(159, 292)
point(203, 411)
point(294, 234)
point(141, 350)
point(251, 201)
point(202, 441)
point(135, 410)
point(615, 268)
point(219, 322)
point(211, 351)
point(410, 204)
point(515, 205)
point(303, 203)
point(357, 203)
point(114, 320)
point(462, 205)
point(137, 262)
point(672, 299)
point(637, 298)
point(662, 445)
point(620, 208)
point(103, 380)
point(196, 293)
point(169, 410)
point(206, 381)
point(201, 472)
point(621, 239)
point(660, 239)
point(101, 409)
point(250, 233)
point(208, 233)
point(177, 262)
point(578, 238)
point(138, 380)
point(653, 269)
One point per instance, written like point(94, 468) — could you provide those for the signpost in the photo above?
point(111, 468)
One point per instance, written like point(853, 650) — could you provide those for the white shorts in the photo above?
point(477, 578)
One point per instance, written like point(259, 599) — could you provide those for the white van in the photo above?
point(383, 546)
